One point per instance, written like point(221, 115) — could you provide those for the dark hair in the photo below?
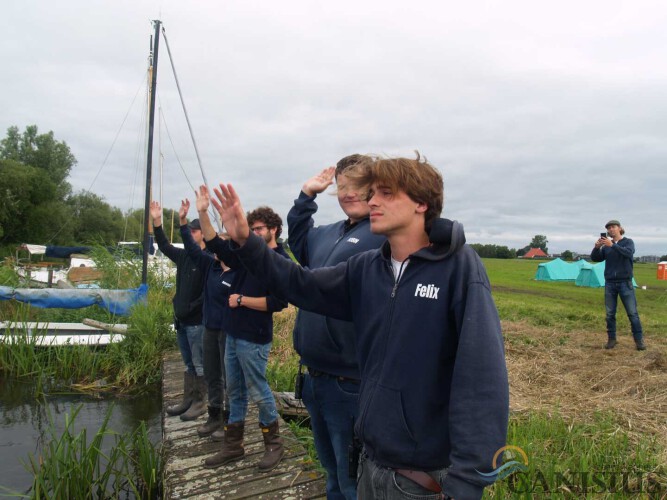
point(347, 162)
point(268, 217)
point(417, 178)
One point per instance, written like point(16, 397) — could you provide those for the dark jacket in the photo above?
point(245, 323)
point(434, 389)
point(189, 295)
point(619, 259)
point(326, 343)
point(217, 284)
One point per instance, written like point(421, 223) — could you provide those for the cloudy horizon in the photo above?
point(543, 119)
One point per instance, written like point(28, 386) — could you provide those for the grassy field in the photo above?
point(592, 422)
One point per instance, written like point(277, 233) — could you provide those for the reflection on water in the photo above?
point(24, 422)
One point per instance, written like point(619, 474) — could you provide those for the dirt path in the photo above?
point(573, 373)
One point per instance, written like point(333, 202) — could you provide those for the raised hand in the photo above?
point(183, 210)
point(156, 213)
point(203, 199)
point(319, 182)
point(231, 213)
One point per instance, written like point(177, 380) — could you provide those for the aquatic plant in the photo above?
point(69, 466)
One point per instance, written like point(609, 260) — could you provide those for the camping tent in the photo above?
point(559, 270)
point(592, 275)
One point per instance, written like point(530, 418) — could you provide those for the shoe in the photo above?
point(219, 435)
point(213, 422)
point(273, 447)
point(611, 343)
point(640, 345)
point(198, 406)
point(232, 447)
point(184, 405)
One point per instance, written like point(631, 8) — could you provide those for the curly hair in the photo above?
point(268, 217)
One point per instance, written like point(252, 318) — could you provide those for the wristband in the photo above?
point(238, 299)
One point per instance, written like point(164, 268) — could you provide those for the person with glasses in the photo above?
point(331, 382)
point(249, 338)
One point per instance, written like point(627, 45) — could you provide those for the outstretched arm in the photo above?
point(203, 203)
point(169, 250)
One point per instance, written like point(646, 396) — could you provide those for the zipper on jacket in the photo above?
point(397, 280)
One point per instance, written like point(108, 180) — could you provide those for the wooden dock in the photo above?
point(186, 477)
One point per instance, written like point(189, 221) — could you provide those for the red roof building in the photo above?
point(535, 252)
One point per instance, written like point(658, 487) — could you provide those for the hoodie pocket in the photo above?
point(386, 429)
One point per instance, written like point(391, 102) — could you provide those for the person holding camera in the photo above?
point(618, 252)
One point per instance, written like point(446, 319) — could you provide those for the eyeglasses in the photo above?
point(257, 229)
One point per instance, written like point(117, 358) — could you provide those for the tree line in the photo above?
point(37, 204)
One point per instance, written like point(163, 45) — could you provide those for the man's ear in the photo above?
point(421, 208)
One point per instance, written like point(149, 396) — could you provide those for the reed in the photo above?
point(71, 466)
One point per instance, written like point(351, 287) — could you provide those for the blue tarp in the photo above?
point(115, 301)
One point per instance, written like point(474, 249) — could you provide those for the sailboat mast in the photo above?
point(149, 160)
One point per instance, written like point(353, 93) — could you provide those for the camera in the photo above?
point(603, 235)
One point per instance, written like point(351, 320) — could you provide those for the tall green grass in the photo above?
point(128, 365)
point(69, 465)
point(592, 460)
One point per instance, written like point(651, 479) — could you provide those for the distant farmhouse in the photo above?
point(535, 253)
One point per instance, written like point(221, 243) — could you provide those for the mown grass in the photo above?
point(567, 307)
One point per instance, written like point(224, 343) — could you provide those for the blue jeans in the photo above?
point(375, 481)
point(245, 363)
point(612, 289)
point(332, 405)
point(189, 338)
point(214, 367)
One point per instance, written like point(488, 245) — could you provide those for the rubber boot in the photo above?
point(183, 406)
point(219, 435)
point(198, 406)
point(273, 447)
point(213, 422)
point(232, 447)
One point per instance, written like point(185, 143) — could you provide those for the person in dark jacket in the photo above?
point(434, 398)
point(217, 286)
point(618, 251)
point(331, 382)
point(249, 339)
point(187, 303)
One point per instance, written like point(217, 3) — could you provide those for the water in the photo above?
point(24, 422)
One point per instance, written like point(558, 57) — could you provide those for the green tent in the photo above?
point(558, 270)
point(592, 275)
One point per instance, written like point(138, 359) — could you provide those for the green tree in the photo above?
point(94, 220)
point(567, 255)
point(23, 189)
point(42, 151)
point(540, 241)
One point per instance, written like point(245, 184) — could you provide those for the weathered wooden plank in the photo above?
point(186, 477)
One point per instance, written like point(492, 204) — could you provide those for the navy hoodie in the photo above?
point(245, 323)
point(217, 283)
point(324, 343)
point(618, 257)
point(189, 295)
point(434, 389)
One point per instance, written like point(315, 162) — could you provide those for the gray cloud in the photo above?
point(544, 119)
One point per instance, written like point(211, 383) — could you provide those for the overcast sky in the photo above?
point(543, 117)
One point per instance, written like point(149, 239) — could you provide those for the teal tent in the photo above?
point(592, 275)
point(558, 270)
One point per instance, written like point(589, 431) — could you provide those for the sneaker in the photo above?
point(640, 345)
point(611, 343)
